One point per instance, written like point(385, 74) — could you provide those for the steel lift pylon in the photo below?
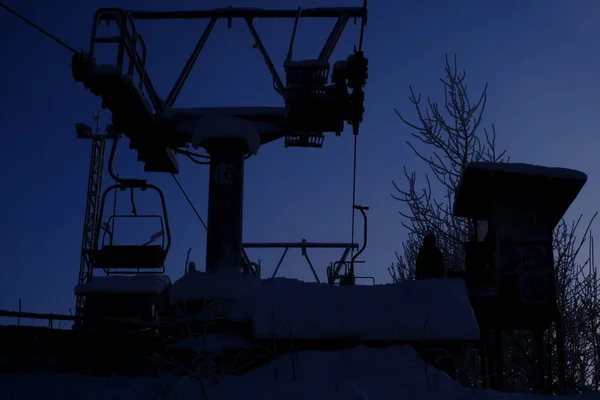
point(92, 217)
point(318, 98)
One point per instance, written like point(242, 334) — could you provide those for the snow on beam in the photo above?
point(429, 310)
point(481, 182)
point(200, 125)
point(125, 284)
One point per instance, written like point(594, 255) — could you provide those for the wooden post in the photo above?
point(540, 356)
point(483, 360)
point(499, 355)
point(560, 351)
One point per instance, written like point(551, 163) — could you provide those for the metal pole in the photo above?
point(112, 228)
point(225, 204)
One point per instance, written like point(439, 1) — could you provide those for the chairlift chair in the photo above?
point(146, 258)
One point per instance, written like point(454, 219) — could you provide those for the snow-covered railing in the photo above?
point(303, 245)
point(51, 317)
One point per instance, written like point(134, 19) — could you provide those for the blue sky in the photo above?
point(539, 57)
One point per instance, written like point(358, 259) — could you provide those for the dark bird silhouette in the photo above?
point(430, 260)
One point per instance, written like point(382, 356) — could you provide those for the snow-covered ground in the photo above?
point(286, 308)
point(435, 309)
point(358, 374)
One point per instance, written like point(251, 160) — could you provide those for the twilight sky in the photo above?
point(538, 56)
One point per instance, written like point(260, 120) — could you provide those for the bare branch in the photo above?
point(450, 136)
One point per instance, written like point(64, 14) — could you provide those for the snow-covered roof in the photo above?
point(408, 311)
point(125, 284)
point(214, 343)
point(531, 170)
point(482, 182)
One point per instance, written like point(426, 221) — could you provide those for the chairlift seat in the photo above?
point(130, 257)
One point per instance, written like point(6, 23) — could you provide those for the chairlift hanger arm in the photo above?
point(277, 79)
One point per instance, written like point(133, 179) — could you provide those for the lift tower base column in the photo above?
point(225, 204)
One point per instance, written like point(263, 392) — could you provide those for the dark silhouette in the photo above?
point(430, 260)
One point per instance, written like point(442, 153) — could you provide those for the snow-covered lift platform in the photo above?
point(284, 315)
point(123, 300)
point(202, 125)
point(280, 308)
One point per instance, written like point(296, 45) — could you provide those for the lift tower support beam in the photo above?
point(92, 206)
point(225, 204)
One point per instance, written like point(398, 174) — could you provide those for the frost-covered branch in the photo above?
point(446, 137)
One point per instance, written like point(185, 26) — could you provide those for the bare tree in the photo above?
point(452, 136)
point(578, 304)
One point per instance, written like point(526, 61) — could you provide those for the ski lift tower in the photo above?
point(94, 192)
point(510, 273)
point(317, 98)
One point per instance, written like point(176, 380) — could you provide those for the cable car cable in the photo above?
point(189, 201)
point(354, 190)
point(37, 27)
point(65, 45)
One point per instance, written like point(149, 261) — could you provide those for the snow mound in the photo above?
point(359, 373)
point(125, 284)
point(409, 311)
point(214, 343)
